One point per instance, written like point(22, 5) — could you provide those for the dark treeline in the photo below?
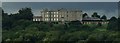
point(19, 27)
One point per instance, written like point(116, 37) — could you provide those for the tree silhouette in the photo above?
point(113, 24)
point(6, 21)
point(95, 14)
point(104, 17)
point(26, 13)
point(85, 14)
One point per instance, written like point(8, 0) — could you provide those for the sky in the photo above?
point(102, 8)
point(0, 4)
point(109, 9)
point(60, 0)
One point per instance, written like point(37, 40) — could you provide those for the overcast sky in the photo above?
point(102, 8)
point(108, 9)
point(60, 0)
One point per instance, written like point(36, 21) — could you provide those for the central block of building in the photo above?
point(61, 15)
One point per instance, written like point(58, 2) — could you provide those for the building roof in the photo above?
point(91, 18)
point(61, 9)
point(94, 19)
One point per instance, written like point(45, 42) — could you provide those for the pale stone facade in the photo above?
point(61, 15)
point(37, 18)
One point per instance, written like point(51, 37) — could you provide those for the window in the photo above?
point(39, 19)
point(46, 19)
point(36, 19)
point(47, 12)
point(56, 15)
point(67, 15)
point(54, 19)
point(51, 12)
point(51, 19)
point(57, 12)
point(54, 12)
point(57, 19)
point(51, 15)
point(33, 19)
point(62, 19)
point(46, 15)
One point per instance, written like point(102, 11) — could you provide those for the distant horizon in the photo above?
point(102, 8)
point(60, 0)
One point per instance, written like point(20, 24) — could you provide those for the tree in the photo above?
point(6, 21)
point(52, 36)
point(113, 18)
point(75, 36)
point(97, 36)
point(119, 23)
point(95, 14)
point(85, 14)
point(104, 17)
point(23, 23)
point(99, 24)
point(74, 25)
point(113, 24)
point(24, 13)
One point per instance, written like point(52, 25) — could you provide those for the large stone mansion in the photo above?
point(65, 15)
point(60, 15)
